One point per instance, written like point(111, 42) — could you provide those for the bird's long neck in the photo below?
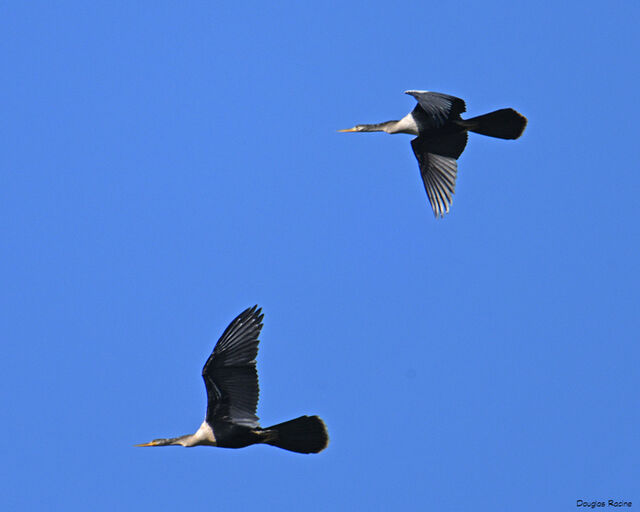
point(386, 127)
point(406, 125)
point(186, 440)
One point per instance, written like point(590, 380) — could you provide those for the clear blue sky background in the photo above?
point(165, 165)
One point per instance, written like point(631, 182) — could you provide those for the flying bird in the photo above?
point(442, 136)
point(231, 379)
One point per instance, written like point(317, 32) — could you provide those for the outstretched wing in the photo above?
point(436, 107)
point(438, 167)
point(230, 374)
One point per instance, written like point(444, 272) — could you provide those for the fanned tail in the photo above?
point(306, 434)
point(503, 124)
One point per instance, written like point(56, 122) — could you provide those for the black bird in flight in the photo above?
point(442, 136)
point(231, 379)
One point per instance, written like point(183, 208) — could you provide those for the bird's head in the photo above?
point(163, 442)
point(356, 128)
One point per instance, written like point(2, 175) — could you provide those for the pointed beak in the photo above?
point(152, 443)
point(349, 130)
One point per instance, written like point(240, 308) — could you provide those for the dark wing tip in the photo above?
point(253, 314)
point(253, 310)
point(238, 345)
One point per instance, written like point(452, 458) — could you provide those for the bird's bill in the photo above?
point(354, 129)
point(152, 443)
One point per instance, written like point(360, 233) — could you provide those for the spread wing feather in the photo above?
point(230, 374)
point(438, 167)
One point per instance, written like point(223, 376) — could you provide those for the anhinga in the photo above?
point(442, 136)
point(231, 379)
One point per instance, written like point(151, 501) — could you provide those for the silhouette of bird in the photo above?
point(442, 136)
point(231, 380)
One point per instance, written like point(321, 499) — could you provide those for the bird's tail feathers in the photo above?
point(505, 123)
point(306, 434)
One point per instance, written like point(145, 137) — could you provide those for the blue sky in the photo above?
point(165, 165)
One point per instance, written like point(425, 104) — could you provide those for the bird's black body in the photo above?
point(442, 137)
point(231, 379)
point(230, 435)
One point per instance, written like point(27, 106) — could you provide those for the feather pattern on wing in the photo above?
point(437, 107)
point(230, 374)
point(438, 167)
